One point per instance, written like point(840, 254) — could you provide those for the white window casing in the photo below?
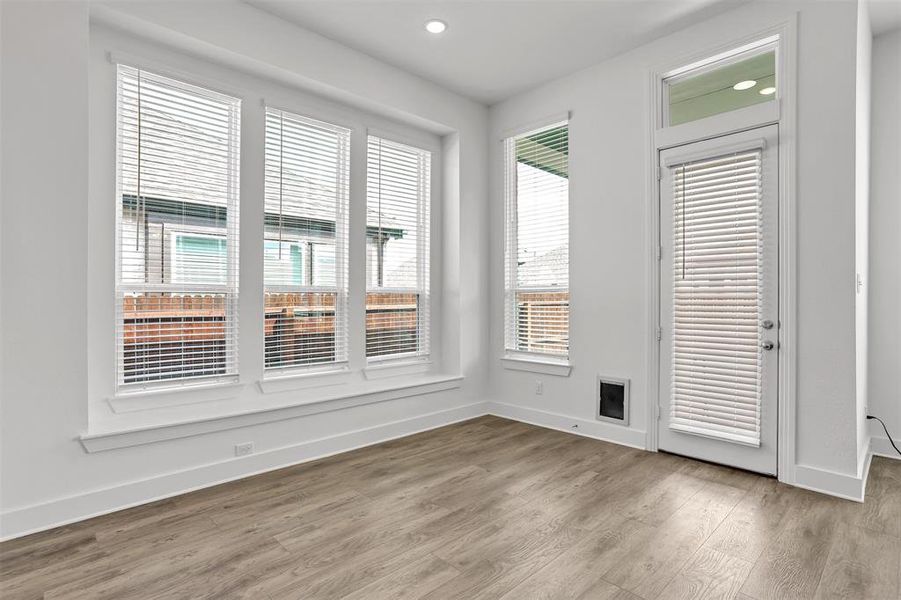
point(398, 198)
point(307, 174)
point(177, 232)
point(536, 243)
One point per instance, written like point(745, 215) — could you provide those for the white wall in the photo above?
point(609, 229)
point(45, 390)
point(53, 301)
point(885, 242)
point(862, 222)
point(45, 183)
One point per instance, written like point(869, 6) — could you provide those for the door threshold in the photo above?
point(716, 464)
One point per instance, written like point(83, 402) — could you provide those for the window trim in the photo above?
point(111, 438)
point(512, 358)
point(165, 397)
point(231, 289)
point(375, 365)
point(715, 61)
point(342, 284)
point(536, 363)
point(324, 376)
point(397, 366)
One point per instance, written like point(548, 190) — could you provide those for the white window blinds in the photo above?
point(305, 246)
point(536, 182)
point(397, 247)
point(717, 362)
point(177, 231)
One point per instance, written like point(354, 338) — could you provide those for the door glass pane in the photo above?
point(717, 246)
point(722, 87)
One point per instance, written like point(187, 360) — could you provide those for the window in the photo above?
point(305, 250)
point(741, 78)
point(284, 261)
point(177, 231)
point(198, 258)
point(397, 245)
point(537, 242)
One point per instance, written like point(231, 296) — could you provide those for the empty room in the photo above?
point(450, 299)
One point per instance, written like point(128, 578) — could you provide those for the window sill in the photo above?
point(111, 439)
point(153, 398)
point(304, 380)
point(401, 367)
point(559, 368)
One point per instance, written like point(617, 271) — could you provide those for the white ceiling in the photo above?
point(493, 49)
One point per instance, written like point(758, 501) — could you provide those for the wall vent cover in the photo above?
point(612, 400)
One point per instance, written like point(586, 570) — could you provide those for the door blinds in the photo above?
point(305, 248)
point(717, 302)
point(397, 250)
point(177, 220)
point(537, 242)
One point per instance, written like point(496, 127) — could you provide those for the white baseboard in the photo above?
point(849, 487)
point(39, 517)
point(880, 446)
point(598, 430)
point(841, 485)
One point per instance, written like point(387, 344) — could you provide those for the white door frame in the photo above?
point(782, 112)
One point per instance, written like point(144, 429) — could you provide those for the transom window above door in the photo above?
point(736, 79)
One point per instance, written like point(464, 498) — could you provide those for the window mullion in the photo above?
point(357, 251)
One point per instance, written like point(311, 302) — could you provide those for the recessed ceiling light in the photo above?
point(435, 26)
point(768, 90)
point(744, 85)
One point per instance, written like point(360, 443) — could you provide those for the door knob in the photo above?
point(767, 345)
point(767, 324)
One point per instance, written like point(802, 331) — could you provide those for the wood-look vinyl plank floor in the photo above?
point(487, 508)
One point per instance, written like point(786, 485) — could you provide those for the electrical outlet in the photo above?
point(539, 387)
point(244, 449)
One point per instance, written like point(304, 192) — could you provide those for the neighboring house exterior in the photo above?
point(183, 243)
point(543, 316)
